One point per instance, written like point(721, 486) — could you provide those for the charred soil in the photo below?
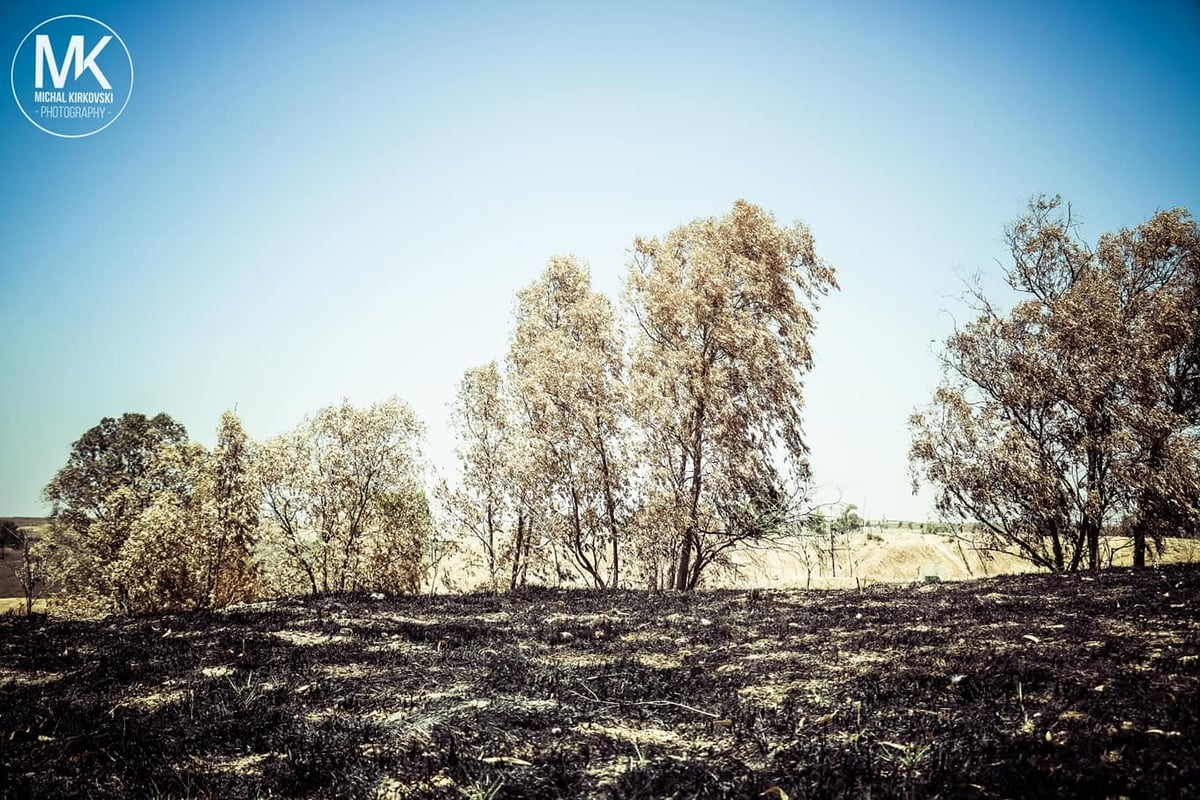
point(1019, 686)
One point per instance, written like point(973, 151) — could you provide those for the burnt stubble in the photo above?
point(1019, 686)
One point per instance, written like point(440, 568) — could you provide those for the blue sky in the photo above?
point(305, 201)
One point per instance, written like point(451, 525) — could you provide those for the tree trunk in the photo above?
point(616, 563)
point(832, 551)
point(610, 511)
point(1056, 543)
point(212, 592)
point(1095, 471)
point(1148, 504)
point(683, 575)
point(518, 550)
point(491, 544)
point(577, 544)
point(684, 564)
point(699, 562)
point(558, 573)
point(528, 550)
point(1078, 540)
point(1093, 544)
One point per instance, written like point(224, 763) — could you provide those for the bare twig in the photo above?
point(646, 703)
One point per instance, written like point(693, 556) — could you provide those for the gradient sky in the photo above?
point(305, 201)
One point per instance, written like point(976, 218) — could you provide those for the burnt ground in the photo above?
point(1019, 686)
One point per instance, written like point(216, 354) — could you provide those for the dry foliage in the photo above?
point(725, 313)
point(491, 504)
point(567, 366)
point(585, 459)
point(145, 519)
point(1079, 408)
point(343, 503)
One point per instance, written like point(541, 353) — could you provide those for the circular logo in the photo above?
point(72, 76)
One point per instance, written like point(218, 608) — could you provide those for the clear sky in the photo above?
point(305, 201)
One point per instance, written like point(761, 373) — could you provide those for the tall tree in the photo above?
point(1075, 407)
point(725, 311)
point(230, 575)
point(112, 455)
point(567, 368)
point(1154, 271)
point(481, 504)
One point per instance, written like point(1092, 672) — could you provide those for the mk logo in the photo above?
point(44, 54)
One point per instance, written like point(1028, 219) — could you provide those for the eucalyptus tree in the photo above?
point(725, 309)
point(567, 371)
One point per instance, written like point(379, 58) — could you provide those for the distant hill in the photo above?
point(27, 522)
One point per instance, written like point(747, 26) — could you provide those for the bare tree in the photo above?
point(30, 568)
